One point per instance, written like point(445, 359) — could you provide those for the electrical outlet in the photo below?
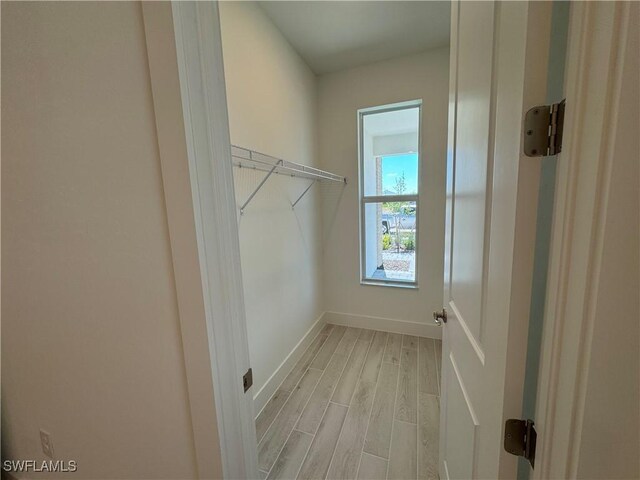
point(45, 441)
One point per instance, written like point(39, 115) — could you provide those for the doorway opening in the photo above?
point(338, 121)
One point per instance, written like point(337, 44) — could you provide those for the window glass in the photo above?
point(390, 241)
point(389, 148)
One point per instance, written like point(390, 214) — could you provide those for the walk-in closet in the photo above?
point(338, 121)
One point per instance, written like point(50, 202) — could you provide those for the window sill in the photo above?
point(375, 283)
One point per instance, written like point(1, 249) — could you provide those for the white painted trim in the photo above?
point(384, 324)
point(597, 38)
point(262, 396)
point(174, 162)
point(214, 328)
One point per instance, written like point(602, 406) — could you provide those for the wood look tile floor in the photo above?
point(359, 404)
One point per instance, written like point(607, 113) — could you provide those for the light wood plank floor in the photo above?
point(360, 404)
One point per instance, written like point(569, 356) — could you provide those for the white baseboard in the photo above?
point(383, 324)
point(263, 395)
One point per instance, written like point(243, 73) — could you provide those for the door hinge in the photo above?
point(247, 380)
point(543, 126)
point(520, 439)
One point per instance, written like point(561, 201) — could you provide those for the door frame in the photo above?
point(187, 81)
point(596, 46)
point(184, 50)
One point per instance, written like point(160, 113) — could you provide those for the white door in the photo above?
point(498, 71)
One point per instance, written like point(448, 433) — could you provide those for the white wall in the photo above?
point(610, 439)
point(271, 96)
point(424, 76)
point(91, 348)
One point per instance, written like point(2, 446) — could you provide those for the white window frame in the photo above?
point(364, 199)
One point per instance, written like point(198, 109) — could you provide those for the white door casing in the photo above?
point(597, 139)
point(187, 79)
point(204, 101)
point(498, 71)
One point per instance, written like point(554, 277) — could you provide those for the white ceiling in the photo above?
point(332, 36)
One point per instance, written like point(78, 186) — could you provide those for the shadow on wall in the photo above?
point(330, 196)
point(269, 198)
point(307, 197)
point(278, 194)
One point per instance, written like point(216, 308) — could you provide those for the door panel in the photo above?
point(475, 52)
point(491, 194)
point(461, 426)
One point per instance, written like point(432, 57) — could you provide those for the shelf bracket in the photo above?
point(293, 205)
point(253, 194)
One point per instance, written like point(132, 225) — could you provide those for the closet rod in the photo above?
point(246, 158)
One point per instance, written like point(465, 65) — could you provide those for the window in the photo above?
point(389, 149)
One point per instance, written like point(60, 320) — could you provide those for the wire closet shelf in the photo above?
point(247, 158)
